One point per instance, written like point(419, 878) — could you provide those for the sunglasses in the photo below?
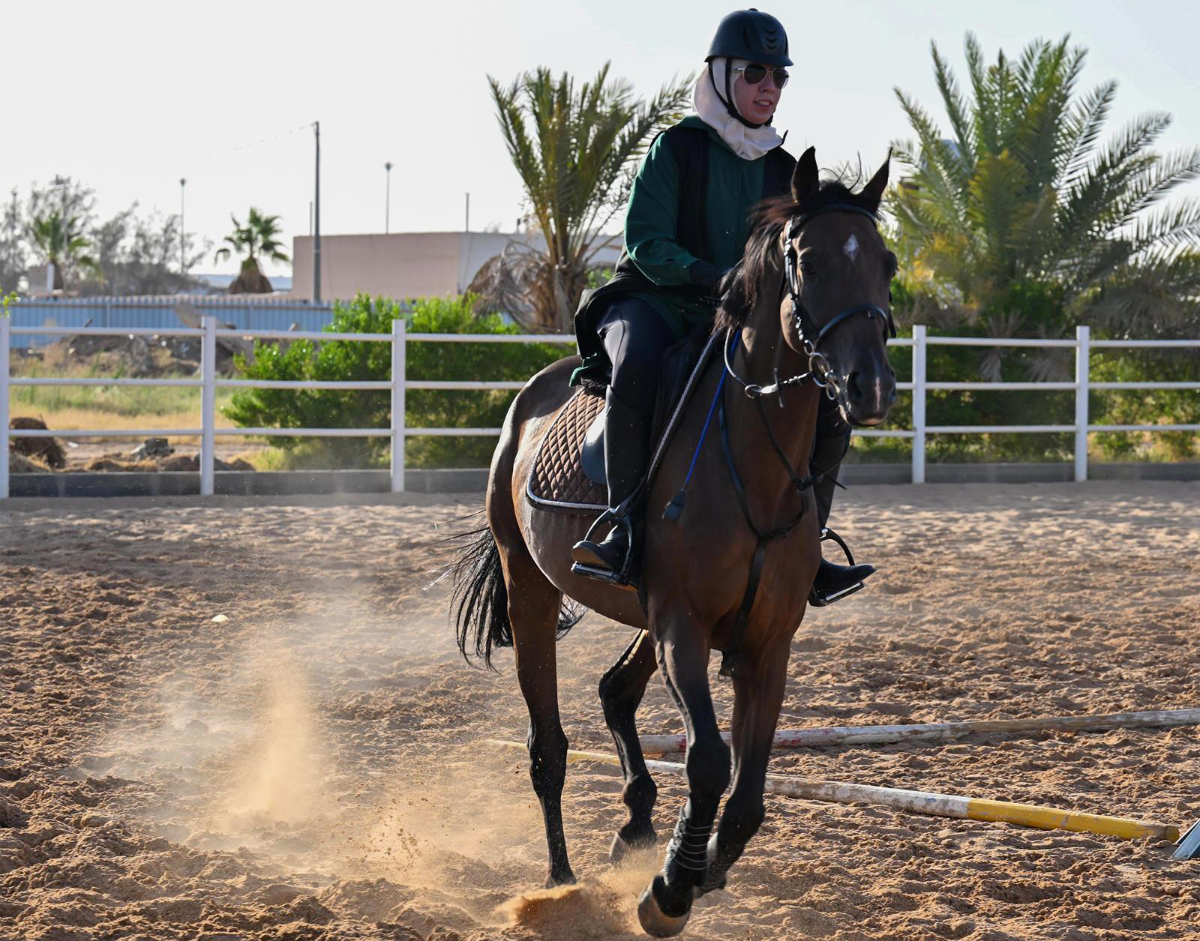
point(754, 74)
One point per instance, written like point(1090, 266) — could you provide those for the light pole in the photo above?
point(387, 212)
point(182, 230)
point(317, 216)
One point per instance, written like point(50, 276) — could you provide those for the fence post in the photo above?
point(5, 347)
point(1082, 363)
point(399, 375)
point(918, 404)
point(208, 401)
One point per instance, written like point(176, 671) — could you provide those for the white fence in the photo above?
point(398, 432)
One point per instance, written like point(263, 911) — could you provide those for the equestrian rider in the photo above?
point(686, 225)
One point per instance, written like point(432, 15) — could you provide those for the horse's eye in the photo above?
point(891, 264)
point(807, 268)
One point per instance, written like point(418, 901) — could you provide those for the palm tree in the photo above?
point(574, 151)
point(257, 238)
point(1024, 220)
point(59, 238)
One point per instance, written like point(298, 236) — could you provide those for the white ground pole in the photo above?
point(918, 403)
point(925, 802)
point(208, 404)
point(5, 344)
point(1082, 363)
point(851, 735)
point(399, 380)
point(1188, 846)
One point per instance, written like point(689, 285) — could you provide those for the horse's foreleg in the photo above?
point(533, 606)
point(621, 691)
point(683, 659)
point(758, 695)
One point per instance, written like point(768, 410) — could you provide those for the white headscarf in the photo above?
point(749, 143)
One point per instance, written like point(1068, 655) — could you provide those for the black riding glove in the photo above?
point(707, 275)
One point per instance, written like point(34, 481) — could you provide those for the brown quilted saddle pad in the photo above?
point(558, 481)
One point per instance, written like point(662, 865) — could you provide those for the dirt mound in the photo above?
point(20, 464)
point(191, 462)
point(47, 450)
point(188, 463)
point(118, 463)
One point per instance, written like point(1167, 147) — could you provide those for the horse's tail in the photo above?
point(480, 598)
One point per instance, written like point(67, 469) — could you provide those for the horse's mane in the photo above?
point(739, 289)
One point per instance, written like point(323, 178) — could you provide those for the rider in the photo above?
point(687, 224)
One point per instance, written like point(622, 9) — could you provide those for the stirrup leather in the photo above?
point(821, 601)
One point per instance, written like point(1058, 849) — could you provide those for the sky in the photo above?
point(129, 97)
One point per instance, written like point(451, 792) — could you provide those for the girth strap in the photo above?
point(733, 651)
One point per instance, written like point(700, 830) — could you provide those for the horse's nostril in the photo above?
point(854, 386)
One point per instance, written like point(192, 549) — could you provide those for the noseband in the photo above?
point(810, 334)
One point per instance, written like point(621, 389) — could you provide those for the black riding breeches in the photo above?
point(830, 443)
point(635, 338)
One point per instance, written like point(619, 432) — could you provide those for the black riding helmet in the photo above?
point(747, 34)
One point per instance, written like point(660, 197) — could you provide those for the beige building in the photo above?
point(405, 264)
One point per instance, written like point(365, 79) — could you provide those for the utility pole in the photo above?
point(182, 230)
point(467, 224)
point(387, 212)
point(317, 218)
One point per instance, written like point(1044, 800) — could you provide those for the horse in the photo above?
point(806, 313)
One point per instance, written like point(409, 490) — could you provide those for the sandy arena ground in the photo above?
point(251, 722)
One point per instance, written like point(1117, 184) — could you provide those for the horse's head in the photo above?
point(838, 272)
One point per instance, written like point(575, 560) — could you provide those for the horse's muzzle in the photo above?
point(867, 396)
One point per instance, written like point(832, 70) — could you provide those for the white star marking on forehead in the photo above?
point(851, 248)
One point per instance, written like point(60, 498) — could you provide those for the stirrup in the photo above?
point(821, 601)
point(620, 515)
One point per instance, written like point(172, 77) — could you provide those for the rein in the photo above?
point(821, 373)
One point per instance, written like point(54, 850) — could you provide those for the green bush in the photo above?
point(344, 360)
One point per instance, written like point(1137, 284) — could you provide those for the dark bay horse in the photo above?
point(805, 314)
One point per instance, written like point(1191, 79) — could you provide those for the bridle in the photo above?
point(820, 372)
point(810, 334)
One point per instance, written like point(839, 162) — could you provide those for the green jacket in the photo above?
point(688, 219)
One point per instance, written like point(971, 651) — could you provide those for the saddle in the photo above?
point(568, 472)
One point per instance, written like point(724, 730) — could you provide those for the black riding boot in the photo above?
point(833, 581)
point(626, 450)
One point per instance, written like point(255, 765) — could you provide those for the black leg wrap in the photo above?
point(688, 848)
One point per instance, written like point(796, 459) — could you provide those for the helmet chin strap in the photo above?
point(727, 98)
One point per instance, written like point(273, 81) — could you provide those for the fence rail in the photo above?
point(399, 384)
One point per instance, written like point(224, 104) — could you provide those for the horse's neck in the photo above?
point(764, 357)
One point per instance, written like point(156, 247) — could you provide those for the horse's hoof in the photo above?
point(654, 921)
point(622, 848)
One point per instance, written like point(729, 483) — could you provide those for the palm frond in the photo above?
point(1081, 130)
point(956, 106)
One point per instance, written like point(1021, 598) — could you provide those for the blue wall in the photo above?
point(158, 313)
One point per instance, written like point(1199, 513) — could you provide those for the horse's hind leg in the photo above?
point(683, 657)
point(621, 691)
point(533, 609)
point(758, 695)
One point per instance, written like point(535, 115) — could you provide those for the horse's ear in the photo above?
point(806, 178)
point(872, 193)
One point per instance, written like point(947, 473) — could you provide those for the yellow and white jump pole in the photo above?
point(929, 803)
point(850, 735)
